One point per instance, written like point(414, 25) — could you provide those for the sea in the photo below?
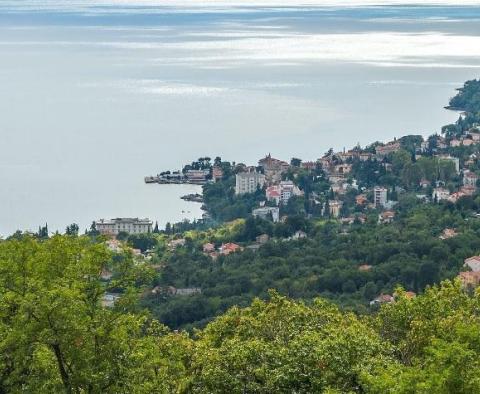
point(96, 95)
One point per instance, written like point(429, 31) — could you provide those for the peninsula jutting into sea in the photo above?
point(341, 184)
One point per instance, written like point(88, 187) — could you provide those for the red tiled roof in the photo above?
point(273, 193)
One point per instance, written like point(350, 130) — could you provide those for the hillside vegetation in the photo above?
point(349, 258)
point(55, 336)
point(468, 97)
point(328, 263)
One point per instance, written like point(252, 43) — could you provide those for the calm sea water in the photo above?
point(96, 95)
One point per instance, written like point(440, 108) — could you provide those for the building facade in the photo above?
point(197, 176)
point(265, 212)
point(217, 173)
point(248, 182)
point(440, 193)
point(273, 168)
point(127, 225)
point(282, 192)
point(334, 207)
point(379, 196)
point(385, 150)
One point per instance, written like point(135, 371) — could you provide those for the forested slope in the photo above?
point(55, 336)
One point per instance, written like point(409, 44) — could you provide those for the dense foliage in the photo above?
point(327, 263)
point(221, 201)
point(468, 100)
point(468, 97)
point(55, 336)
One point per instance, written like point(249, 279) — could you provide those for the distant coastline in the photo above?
point(164, 181)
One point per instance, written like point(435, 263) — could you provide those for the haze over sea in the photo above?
point(97, 94)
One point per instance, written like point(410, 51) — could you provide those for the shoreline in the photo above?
point(162, 181)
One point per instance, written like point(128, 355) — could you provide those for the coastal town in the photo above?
point(351, 226)
point(336, 167)
point(347, 186)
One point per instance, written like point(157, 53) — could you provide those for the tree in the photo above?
point(283, 347)
point(72, 229)
point(468, 97)
point(370, 291)
point(143, 242)
point(349, 286)
point(55, 334)
point(399, 160)
point(43, 231)
point(446, 170)
point(436, 338)
point(250, 231)
point(93, 232)
point(295, 162)
point(122, 236)
point(411, 175)
point(326, 209)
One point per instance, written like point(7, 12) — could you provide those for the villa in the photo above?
point(127, 225)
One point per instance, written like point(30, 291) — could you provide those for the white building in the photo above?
point(282, 192)
point(248, 182)
point(197, 176)
point(128, 225)
point(265, 212)
point(334, 207)
point(379, 196)
point(440, 193)
point(288, 190)
point(299, 235)
point(454, 160)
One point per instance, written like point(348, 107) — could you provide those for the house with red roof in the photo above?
point(382, 299)
point(273, 194)
point(229, 247)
